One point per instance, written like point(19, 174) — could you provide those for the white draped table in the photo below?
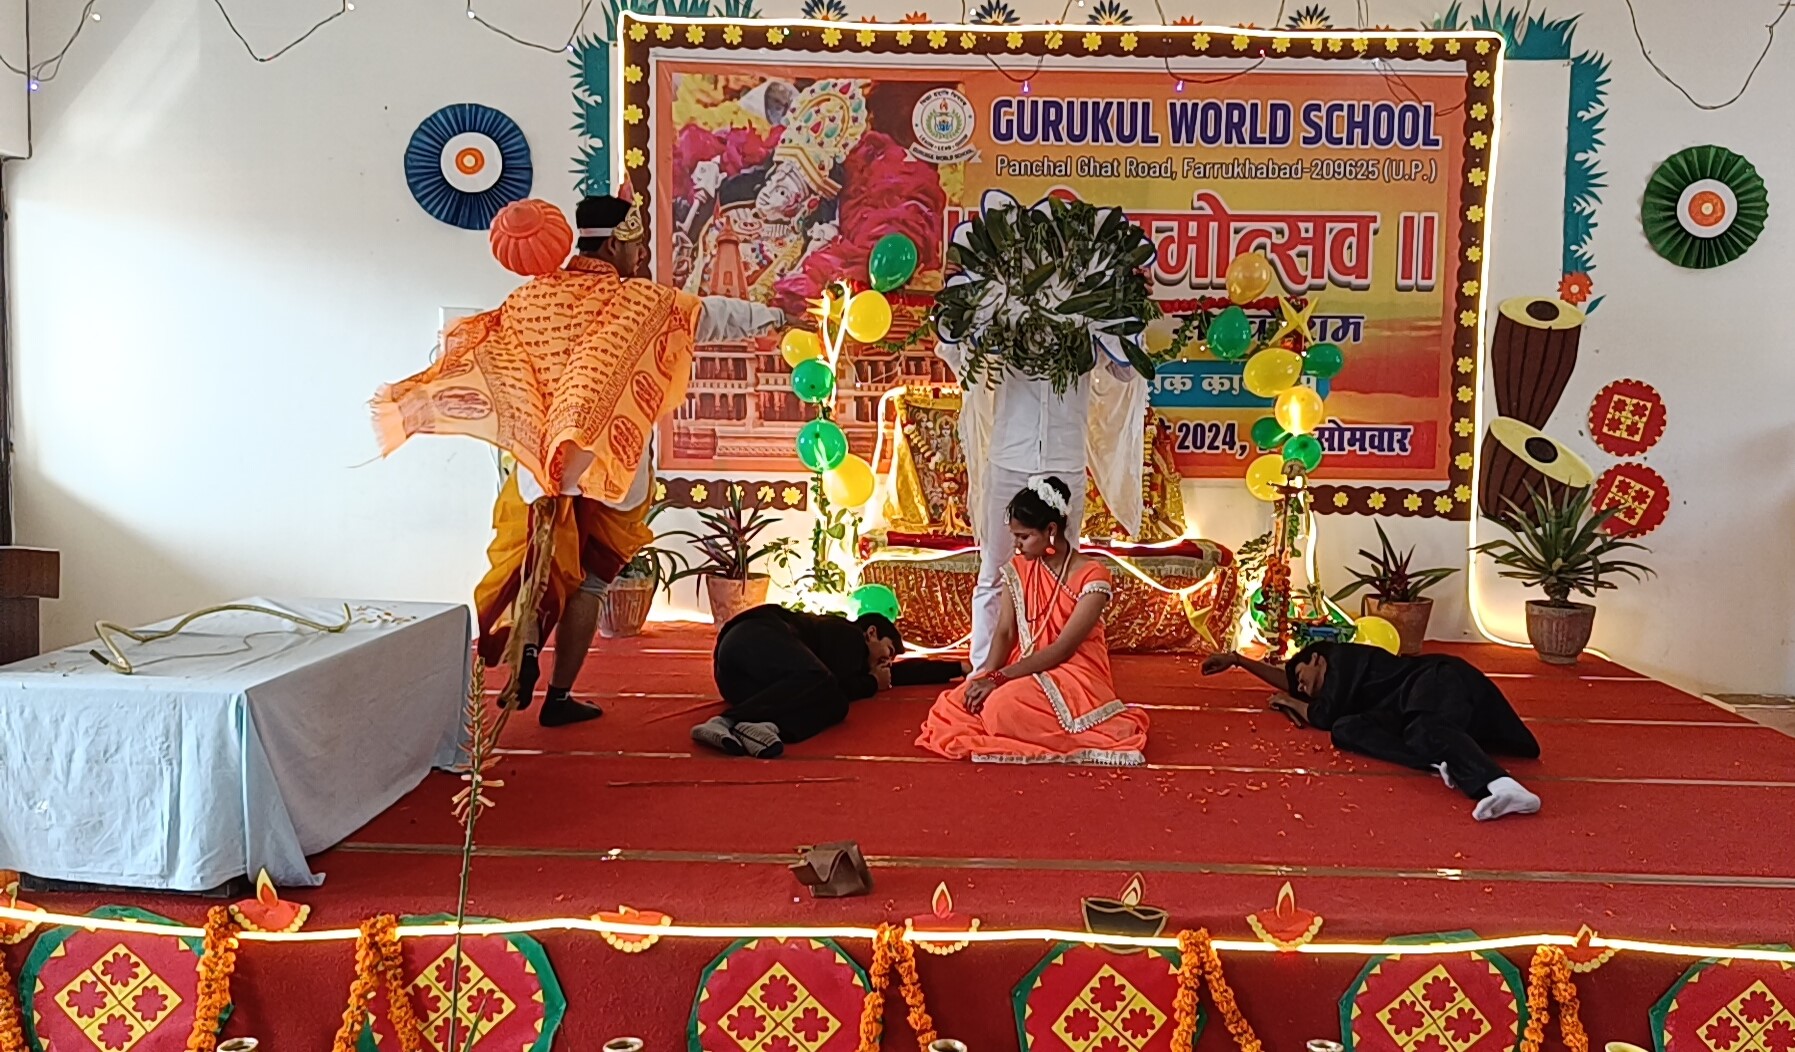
point(245, 742)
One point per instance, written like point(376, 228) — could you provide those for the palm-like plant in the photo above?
point(1388, 575)
point(730, 543)
point(1560, 546)
point(655, 563)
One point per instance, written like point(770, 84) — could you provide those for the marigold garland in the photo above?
point(12, 1025)
point(377, 961)
point(890, 950)
point(216, 966)
point(918, 1015)
point(872, 1009)
point(1550, 979)
point(1198, 958)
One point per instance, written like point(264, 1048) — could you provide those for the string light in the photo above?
point(1437, 948)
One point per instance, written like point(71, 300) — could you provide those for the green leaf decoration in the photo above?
point(1704, 207)
point(1038, 288)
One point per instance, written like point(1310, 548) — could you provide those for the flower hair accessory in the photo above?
point(1049, 496)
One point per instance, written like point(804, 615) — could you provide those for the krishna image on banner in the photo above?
point(780, 186)
point(777, 172)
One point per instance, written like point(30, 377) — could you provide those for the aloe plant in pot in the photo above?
point(630, 597)
point(1560, 545)
point(1396, 591)
point(730, 548)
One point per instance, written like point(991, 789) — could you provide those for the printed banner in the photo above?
point(775, 157)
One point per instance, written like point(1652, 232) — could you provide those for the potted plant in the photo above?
point(730, 547)
point(630, 597)
point(1396, 591)
point(1561, 545)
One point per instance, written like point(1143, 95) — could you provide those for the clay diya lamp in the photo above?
point(633, 942)
point(1124, 916)
point(1287, 925)
point(268, 912)
point(941, 920)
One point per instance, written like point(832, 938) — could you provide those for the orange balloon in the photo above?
point(531, 237)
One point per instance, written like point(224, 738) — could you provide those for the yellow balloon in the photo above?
point(1264, 474)
point(1376, 632)
point(1271, 371)
point(1299, 410)
point(1248, 277)
point(868, 316)
point(850, 483)
point(800, 345)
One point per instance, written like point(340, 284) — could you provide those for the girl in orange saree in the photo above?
point(1045, 694)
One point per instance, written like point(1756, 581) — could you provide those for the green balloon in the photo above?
point(1267, 435)
point(876, 599)
point(1323, 360)
point(1230, 334)
point(821, 445)
point(1305, 450)
point(892, 263)
point(813, 381)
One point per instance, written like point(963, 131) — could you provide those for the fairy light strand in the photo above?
point(43, 71)
point(1436, 948)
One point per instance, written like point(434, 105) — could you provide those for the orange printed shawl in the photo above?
point(577, 359)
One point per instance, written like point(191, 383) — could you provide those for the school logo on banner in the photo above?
point(943, 122)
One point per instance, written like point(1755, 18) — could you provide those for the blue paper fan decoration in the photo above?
point(467, 161)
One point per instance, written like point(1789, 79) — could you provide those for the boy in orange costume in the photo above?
point(569, 376)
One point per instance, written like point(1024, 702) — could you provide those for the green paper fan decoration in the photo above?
point(1704, 207)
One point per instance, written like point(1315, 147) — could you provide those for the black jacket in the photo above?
point(840, 645)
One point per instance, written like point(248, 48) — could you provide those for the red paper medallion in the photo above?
point(1465, 1003)
point(1640, 494)
point(110, 991)
point(1627, 418)
point(774, 995)
point(510, 997)
point(1082, 998)
point(1728, 1006)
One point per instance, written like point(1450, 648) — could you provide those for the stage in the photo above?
point(1659, 823)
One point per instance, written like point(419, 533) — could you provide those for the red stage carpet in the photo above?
point(1665, 818)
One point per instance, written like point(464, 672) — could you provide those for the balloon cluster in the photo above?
point(842, 313)
point(1286, 440)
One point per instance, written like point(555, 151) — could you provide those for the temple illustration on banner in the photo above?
point(740, 405)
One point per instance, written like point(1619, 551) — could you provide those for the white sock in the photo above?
point(1444, 777)
point(1507, 797)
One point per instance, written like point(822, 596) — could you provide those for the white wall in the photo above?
point(214, 263)
point(15, 117)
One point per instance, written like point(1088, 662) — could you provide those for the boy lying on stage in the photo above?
point(1431, 713)
point(786, 676)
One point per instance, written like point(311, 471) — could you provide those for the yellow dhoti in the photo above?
point(585, 538)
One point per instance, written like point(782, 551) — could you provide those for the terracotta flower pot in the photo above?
point(1410, 619)
point(1559, 633)
point(626, 607)
point(730, 597)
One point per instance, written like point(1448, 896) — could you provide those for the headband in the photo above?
point(631, 228)
point(1049, 496)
